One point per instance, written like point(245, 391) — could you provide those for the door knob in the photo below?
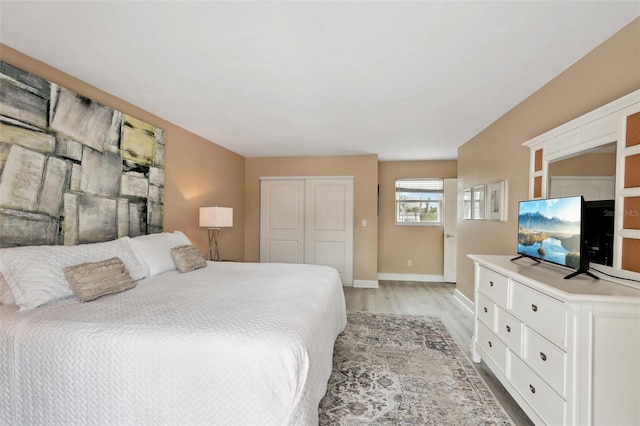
point(449, 236)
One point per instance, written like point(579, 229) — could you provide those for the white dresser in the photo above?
point(568, 351)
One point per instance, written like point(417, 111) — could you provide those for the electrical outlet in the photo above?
point(409, 262)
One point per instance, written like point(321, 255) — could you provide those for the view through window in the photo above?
point(419, 201)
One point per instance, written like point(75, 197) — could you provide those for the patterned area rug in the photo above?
point(404, 370)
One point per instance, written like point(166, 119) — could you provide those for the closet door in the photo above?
point(308, 220)
point(282, 221)
point(590, 187)
point(329, 225)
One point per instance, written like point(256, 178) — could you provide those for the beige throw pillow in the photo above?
point(92, 280)
point(187, 258)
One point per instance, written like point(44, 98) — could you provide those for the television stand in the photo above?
point(528, 257)
point(582, 328)
point(571, 275)
point(581, 271)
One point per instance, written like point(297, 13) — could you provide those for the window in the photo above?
point(419, 201)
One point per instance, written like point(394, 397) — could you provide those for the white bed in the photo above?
point(232, 343)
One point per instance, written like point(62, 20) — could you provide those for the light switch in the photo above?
point(364, 223)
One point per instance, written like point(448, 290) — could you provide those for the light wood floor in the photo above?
point(432, 299)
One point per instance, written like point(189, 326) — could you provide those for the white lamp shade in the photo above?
point(216, 217)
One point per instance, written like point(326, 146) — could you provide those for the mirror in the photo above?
point(588, 173)
point(599, 150)
point(592, 174)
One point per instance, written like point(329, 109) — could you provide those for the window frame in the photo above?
point(438, 188)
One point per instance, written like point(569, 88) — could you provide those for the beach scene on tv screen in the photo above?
point(550, 230)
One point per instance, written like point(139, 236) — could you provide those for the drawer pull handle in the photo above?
point(490, 344)
point(508, 329)
point(485, 310)
point(534, 308)
point(543, 356)
point(491, 283)
point(532, 389)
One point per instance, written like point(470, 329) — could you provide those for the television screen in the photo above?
point(551, 230)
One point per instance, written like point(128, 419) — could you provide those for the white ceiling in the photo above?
point(404, 80)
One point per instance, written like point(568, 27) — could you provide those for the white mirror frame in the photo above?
point(596, 128)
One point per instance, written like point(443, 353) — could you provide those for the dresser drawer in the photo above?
point(541, 312)
point(496, 350)
point(546, 358)
point(541, 397)
point(509, 329)
point(486, 311)
point(493, 285)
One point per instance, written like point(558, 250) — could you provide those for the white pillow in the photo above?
point(155, 250)
point(6, 297)
point(35, 273)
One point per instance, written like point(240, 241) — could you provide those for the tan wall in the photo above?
point(603, 75)
point(585, 165)
point(364, 168)
point(197, 172)
point(424, 245)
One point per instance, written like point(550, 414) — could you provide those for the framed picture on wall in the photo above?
point(478, 202)
point(496, 201)
point(466, 203)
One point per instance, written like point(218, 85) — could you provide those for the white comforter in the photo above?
point(233, 343)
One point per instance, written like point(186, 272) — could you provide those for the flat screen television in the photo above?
point(552, 230)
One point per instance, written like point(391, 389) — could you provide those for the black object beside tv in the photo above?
point(552, 230)
point(599, 219)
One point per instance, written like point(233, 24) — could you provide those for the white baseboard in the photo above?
point(425, 278)
point(464, 300)
point(365, 283)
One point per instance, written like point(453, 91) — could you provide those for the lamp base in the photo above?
point(214, 235)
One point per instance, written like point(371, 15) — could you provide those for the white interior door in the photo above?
point(282, 221)
point(308, 220)
point(450, 229)
point(329, 225)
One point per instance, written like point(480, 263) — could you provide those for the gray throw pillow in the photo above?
point(92, 280)
point(188, 258)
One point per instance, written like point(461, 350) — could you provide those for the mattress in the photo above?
point(233, 343)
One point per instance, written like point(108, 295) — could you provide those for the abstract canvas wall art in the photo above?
point(73, 171)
